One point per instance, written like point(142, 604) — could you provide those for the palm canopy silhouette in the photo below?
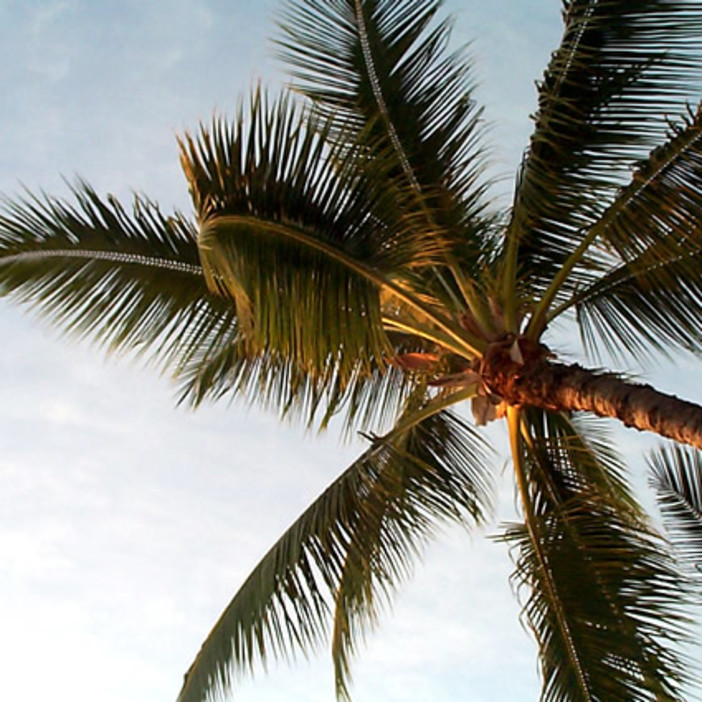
point(345, 260)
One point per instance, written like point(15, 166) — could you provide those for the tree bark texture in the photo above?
point(556, 386)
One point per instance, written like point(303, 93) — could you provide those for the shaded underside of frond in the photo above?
point(621, 70)
point(298, 303)
point(222, 368)
point(349, 550)
point(601, 595)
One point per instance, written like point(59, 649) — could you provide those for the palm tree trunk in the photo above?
point(560, 387)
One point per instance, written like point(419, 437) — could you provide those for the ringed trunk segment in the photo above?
point(559, 387)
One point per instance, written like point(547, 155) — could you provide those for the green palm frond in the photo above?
point(302, 242)
point(659, 210)
point(652, 300)
point(277, 164)
point(621, 69)
point(572, 455)
point(380, 70)
point(601, 594)
point(643, 308)
point(131, 281)
point(350, 549)
point(677, 479)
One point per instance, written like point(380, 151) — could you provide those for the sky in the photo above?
point(127, 523)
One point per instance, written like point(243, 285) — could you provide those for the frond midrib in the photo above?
point(103, 255)
point(468, 345)
point(634, 190)
point(514, 425)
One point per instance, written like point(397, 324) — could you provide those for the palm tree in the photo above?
point(346, 261)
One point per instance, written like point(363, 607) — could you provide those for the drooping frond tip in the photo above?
point(348, 551)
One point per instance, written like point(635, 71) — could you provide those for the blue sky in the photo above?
point(126, 524)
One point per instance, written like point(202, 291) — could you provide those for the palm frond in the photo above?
point(620, 70)
point(652, 300)
point(602, 597)
point(380, 69)
point(131, 281)
point(659, 210)
point(276, 162)
point(677, 479)
point(575, 454)
point(643, 308)
point(302, 243)
point(349, 549)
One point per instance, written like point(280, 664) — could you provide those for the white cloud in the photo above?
point(46, 14)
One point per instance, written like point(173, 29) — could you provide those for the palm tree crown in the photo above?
point(345, 260)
